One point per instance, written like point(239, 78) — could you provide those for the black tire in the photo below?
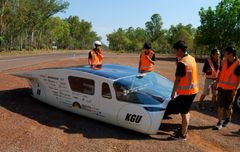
point(236, 106)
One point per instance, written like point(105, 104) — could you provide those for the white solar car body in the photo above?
point(114, 94)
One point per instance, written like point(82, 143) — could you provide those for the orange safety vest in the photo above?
point(188, 84)
point(215, 72)
point(146, 65)
point(96, 58)
point(227, 79)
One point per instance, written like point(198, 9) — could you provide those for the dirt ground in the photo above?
point(30, 125)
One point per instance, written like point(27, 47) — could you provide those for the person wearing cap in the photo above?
point(147, 59)
point(185, 87)
point(227, 84)
point(95, 56)
point(211, 70)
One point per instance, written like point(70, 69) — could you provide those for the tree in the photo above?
point(181, 32)
point(154, 27)
point(39, 11)
point(220, 27)
point(129, 39)
point(21, 21)
point(57, 31)
point(118, 40)
point(81, 33)
point(137, 38)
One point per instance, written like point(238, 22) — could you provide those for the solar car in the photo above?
point(114, 94)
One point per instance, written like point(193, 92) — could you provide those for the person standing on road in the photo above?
point(95, 56)
point(227, 85)
point(211, 70)
point(147, 59)
point(185, 85)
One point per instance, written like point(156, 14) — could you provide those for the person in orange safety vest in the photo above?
point(185, 86)
point(147, 59)
point(227, 85)
point(95, 56)
point(211, 70)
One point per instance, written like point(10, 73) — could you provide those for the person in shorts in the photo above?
point(185, 86)
point(211, 70)
point(227, 84)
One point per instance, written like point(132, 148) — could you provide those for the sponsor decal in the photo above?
point(87, 108)
point(56, 89)
point(64, 94)
point(74, 97)
point(54, 78)
point(43, 76)
point(38, 92)
point(53, 84)
point(99, 114)
point(133, 118)
point(63, 83)
point(65, 101)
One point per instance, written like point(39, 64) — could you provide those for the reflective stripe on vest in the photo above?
point(96, 59)
point(227, 79)
point(214, 74)
point(146, 65)
point(189, 83)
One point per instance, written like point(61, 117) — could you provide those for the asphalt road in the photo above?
point(7, 63)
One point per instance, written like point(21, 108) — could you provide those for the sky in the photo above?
point(109, 15)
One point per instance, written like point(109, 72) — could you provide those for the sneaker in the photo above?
point(177, 131)
point(226, 122)
point(178, 136)
point(218, 126)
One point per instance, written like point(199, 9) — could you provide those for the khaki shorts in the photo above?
point(209, 84)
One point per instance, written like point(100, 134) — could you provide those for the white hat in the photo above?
point(97, 43)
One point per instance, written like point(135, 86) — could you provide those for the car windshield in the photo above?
point(149, 88)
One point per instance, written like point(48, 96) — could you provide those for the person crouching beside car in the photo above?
point(227, 85)
point(95, 56)
point(147, 59)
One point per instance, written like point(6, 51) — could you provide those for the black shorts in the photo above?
point(225, 99)
point(181, 104)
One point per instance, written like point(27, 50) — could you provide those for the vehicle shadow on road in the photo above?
point(19, 101)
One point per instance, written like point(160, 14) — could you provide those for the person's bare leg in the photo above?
point(185, 123)
point(214, 102)
point(220, 113)
point(202, 98)
point(229, 113)
point(200, 105)
point(214, 98)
